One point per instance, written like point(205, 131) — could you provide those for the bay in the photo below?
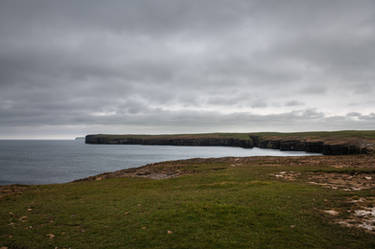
point(59, 161)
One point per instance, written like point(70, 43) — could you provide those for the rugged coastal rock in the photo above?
point(326, 146)
point(204, 141)
point(316, 146)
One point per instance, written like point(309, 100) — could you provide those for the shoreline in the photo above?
point(176, 168)
point(154, 171)
point(322, 196)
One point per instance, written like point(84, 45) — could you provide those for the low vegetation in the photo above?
point(364, 134)
point(254, 202)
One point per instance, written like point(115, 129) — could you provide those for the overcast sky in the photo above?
point(69, 68)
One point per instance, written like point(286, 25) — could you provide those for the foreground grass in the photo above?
point(219, 206)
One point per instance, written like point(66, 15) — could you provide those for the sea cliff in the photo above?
point(327, 143)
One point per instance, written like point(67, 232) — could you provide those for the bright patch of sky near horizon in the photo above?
point(69, 68)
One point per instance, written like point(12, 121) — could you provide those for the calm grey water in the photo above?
point(42, 162)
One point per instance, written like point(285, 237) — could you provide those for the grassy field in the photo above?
point(214, 203)
point(364, 134)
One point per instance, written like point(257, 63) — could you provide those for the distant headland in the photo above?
point(325, 142)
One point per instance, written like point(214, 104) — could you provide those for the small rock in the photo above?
point(368, 177)
point(169, 232)
point(144, 228)
point(23, 218)
point(126, 213)
point(331, 212)
point(292, 226)
point(50, 236)
point(29, 209)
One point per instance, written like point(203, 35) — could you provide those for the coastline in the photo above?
point(327, 143)
point(176, 168)
point(182, 203)
point(320, 196)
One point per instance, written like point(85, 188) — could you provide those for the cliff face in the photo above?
point(317, 146)
point(204, 141)
point(326, 145)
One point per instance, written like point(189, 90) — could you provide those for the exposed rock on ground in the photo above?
point(361, 214)
point(346, 182)
point(343, 181)
point(182, 167)
point(7, 190)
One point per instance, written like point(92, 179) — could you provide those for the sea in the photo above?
point(60, 161)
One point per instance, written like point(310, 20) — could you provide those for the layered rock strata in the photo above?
point(326, 147)
point(235, 142)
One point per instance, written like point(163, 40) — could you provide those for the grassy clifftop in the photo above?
point(364, 134)
point(346, 134)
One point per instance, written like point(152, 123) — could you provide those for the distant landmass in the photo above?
point(325, 142)
point(79, 138)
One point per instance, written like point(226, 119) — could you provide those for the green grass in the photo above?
point(366, 134)
point(242, 207)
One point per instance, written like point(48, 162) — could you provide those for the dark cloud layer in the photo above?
point(75, 67)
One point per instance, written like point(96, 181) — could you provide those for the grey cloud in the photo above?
point(313, 89)
point(168, 65)
point(294, 103)
point(259, 104)
point(364, 88)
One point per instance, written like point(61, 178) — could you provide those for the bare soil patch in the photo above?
point(14, 189)
point(361, 214)
point(342, 181)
